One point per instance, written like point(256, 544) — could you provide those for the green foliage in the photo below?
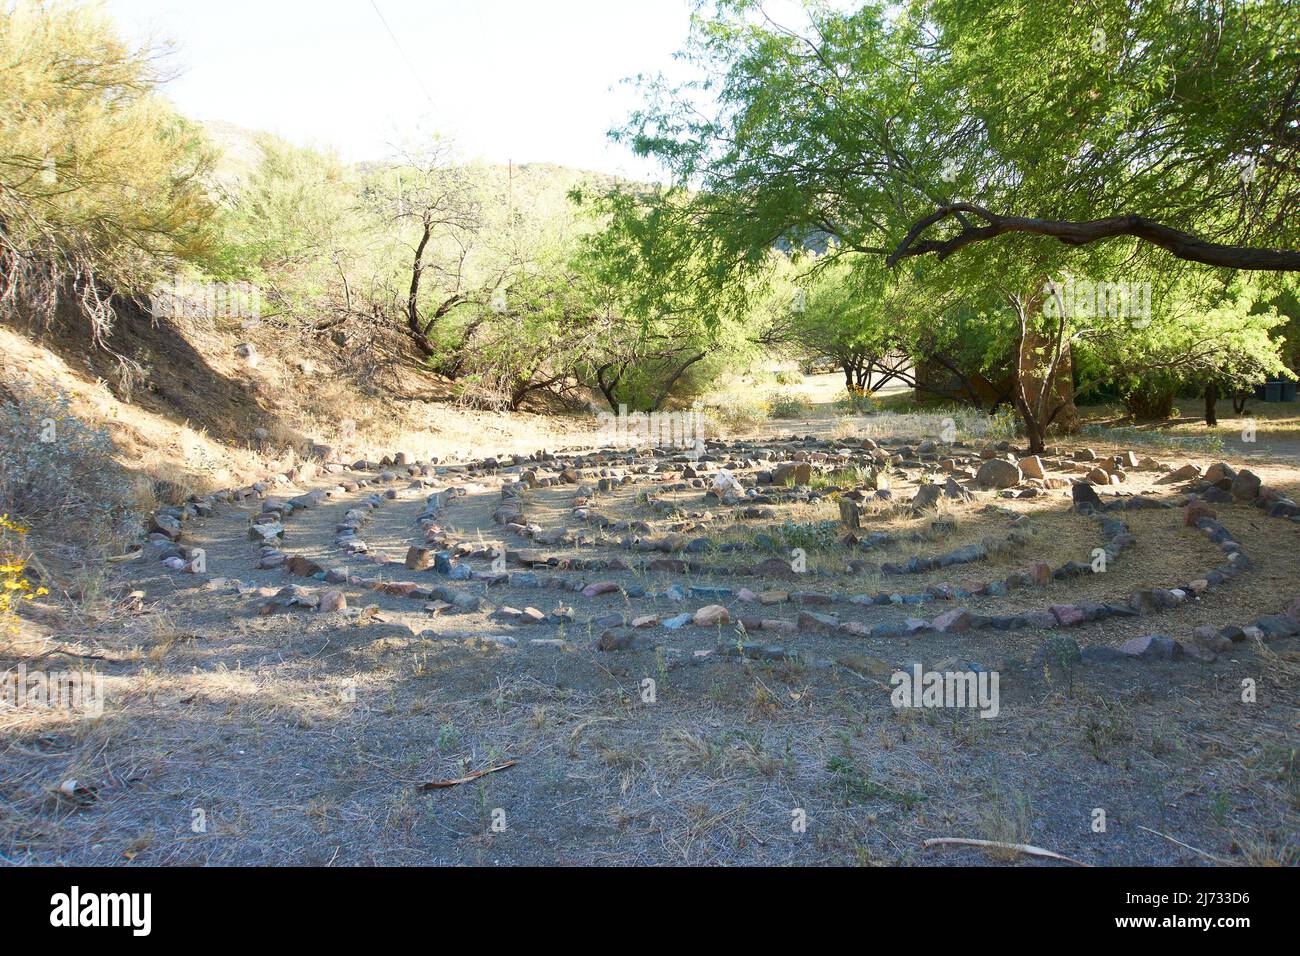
point(1185, 344)
point(795, 163)
point(854, 124)
point(809, 535)
point(787, 405)
point(835, 134)
point(100, 182)
point(293, 223)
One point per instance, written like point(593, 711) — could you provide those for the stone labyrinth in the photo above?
point(831, 552)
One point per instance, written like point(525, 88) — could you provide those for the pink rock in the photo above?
point(1066, 614)
point(710, 615)
point(1196, 652)
point(600, 587)
point(301, 566)
point(1209, 638)
point(952, 622)
point(808, 621)
point(1032, 467)
point(1152, 645)
point(332, 601)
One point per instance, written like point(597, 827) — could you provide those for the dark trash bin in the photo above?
point(1288, 391)
point(1272, 391)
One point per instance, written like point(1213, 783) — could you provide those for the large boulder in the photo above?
point(997, 473)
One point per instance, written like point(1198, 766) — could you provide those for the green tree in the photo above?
point(933, 127)
point(101, 183)
point(293, 225)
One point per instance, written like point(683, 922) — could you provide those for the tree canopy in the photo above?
point(926, 128)
point(101, 182)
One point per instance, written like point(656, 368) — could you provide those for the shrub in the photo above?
point(787, 405)
point(809, 535)
point(858, 401)
point(1150, 402)
point(54, 465)
point(735, 416)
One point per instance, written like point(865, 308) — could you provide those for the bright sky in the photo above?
point(528, 80)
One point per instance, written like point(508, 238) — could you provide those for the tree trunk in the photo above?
point(1035, 429)
point(1057, 406)
point(418, 332)
point(607, 387)
point(1211, 400)
point(666, 391)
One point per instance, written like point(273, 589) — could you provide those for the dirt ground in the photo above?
point(235, 736)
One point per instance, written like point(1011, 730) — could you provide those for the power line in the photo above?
point(398, 43)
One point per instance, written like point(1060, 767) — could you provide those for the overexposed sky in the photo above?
point(522, 80)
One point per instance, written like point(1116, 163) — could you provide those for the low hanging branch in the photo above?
point(1181, 244)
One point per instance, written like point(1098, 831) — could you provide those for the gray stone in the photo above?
point(997, 473)
point(927, 496)
point(1152, 647)
point(1085, 497)
point(1276, 626)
